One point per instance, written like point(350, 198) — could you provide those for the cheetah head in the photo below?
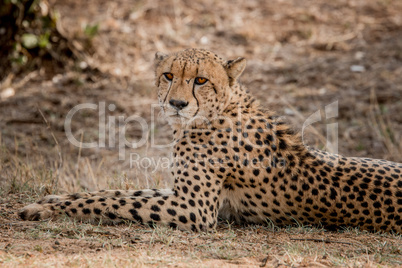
point(195, 84)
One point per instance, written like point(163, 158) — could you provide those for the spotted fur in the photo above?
point(237, 161)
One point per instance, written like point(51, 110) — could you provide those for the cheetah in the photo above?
point(236, 161)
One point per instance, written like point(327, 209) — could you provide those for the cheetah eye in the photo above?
point(200, 80)
point(168, 76)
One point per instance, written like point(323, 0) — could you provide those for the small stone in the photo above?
point(289, 111)
point(204, 40)
point(359, 55)
point(357, 68)
point(7, 93)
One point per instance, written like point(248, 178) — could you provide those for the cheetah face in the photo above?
point(195, 84)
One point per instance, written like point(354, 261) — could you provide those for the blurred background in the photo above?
point(302, 56)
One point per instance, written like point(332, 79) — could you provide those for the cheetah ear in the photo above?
point(235, 68)
point(159, 56)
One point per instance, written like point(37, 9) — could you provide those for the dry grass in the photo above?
point(299, 60)
point(69, 243)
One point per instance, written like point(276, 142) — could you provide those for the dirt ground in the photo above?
point(302, 56)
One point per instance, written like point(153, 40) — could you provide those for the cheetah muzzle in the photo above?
point(234, 160)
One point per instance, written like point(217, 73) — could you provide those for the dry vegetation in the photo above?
point(302, 56)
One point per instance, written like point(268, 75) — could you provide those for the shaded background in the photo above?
point(302, 56)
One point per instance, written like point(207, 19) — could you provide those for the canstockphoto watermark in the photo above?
point(149, 164)
point(330, 111)
point(107, 127)
point(112, 129)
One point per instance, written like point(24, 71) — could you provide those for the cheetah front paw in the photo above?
point(36, 212)
point(51, 199)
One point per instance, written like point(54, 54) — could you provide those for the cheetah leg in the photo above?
point(197, 211)
point(168, 210)
point(51, 199)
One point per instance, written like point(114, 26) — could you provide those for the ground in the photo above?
point(302, 56)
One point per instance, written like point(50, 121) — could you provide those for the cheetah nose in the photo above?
point(178, 104)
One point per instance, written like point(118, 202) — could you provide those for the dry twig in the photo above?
point(323, 240)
